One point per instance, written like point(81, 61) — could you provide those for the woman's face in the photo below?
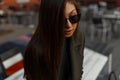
point(70, 10)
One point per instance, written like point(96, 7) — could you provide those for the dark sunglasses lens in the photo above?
point(75, 18)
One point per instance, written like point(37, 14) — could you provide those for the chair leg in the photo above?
point(104, 35)
point(92, 33)
point(109, 34)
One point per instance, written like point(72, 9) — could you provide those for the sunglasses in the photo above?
point(74, 19)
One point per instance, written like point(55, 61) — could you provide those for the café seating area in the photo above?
point(24, 18)
point(100, 23)
point(101, 26)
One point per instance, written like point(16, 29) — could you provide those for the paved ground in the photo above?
point(17, 30)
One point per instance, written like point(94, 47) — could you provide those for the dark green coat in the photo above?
point(77, 47)
point(76, 50)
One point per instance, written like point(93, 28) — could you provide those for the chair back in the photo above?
point(98, 23)
point(97, 20)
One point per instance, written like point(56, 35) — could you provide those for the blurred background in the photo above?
point(100, 22)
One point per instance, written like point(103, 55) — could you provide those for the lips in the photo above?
point(68, 32)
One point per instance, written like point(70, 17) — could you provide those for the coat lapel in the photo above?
point(76, 48)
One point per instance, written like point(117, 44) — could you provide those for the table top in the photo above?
point(93, 64)
point(111, 16)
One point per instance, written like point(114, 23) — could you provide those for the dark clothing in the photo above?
point(65, 66)
point(71, 67)
point(77, 53)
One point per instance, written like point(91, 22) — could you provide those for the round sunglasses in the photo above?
point(74, 19)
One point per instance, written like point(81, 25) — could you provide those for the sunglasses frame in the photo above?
point(73, 22)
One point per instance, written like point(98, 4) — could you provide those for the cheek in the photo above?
point(75, 26)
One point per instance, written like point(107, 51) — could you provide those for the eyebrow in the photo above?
point(71, 11)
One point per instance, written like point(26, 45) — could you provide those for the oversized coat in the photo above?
point(77, 43)
point(76, 52)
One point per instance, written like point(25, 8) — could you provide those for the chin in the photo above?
point(68, 35)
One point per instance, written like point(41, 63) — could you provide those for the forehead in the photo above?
point(69, 8)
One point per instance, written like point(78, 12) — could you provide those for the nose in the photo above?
point(68, 24)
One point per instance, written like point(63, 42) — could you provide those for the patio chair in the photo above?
point(2, 71)
point(100, 29)
point(12, 61)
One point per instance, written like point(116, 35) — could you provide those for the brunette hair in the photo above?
point(43, 52)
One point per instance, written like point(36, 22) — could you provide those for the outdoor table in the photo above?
point(93, 64)
point(112, 18)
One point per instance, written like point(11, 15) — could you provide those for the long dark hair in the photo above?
point(43, 53)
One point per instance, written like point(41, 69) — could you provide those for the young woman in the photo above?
point(55, 51)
